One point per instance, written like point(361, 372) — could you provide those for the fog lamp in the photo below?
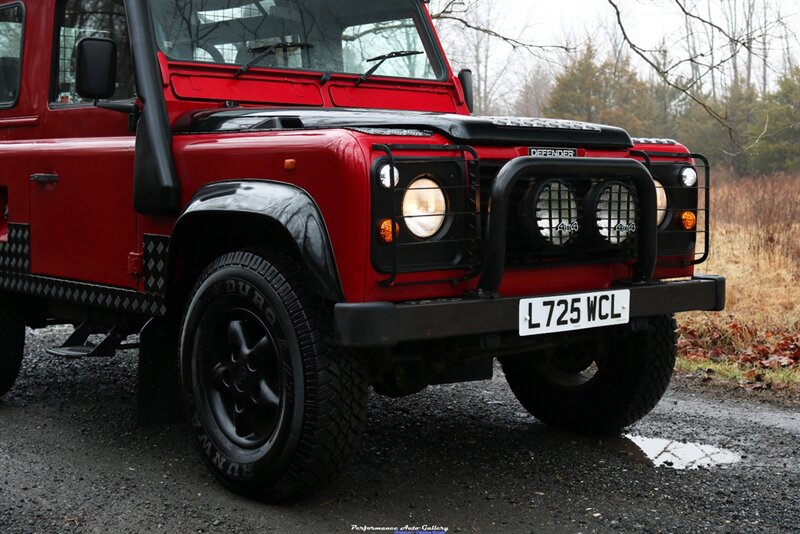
point(550, 212)
point(615, 212)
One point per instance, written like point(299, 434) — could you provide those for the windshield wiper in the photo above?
point(382, 59)
point(264, 51)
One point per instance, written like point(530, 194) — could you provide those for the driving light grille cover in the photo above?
point(615, 212)
point(556, 212)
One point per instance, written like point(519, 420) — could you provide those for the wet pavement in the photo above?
point(463, 457)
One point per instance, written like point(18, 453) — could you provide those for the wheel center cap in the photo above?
point(240, 376)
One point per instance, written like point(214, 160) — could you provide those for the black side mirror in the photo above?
point(467, 84)
point(96, 68)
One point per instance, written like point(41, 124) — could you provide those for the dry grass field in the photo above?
point(755, 243)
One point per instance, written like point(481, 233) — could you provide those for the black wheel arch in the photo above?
point(235, 215)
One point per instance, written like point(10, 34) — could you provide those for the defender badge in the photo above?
point(553, 152)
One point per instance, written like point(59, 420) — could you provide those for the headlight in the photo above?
point(615, 212)
point(550, 211)
point(387, 173)
point(424, 208)
point(661, 203)
point(689, 177)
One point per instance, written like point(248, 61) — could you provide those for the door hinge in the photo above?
point(136, 263)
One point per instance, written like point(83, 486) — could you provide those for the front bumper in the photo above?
point(385, 324)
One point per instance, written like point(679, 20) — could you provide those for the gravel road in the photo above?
point(463, 457)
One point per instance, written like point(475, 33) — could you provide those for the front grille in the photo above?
point(584, 243)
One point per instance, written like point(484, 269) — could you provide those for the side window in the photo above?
point(93, 18)
point(10, 54)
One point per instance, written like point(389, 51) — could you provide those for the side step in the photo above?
point(78, 346)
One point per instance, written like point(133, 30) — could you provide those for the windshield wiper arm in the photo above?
point(264, 51)
point(382, 59)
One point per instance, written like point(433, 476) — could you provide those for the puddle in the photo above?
point(679, 455)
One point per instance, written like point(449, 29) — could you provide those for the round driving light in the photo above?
point(615, 212)
point(661, 203)
point(689, 177)
point(424, 208)
point(387, 174)
point(688, 220)
point(550, 212)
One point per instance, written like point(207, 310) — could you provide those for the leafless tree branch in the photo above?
point(664, 75)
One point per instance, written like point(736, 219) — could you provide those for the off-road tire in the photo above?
point(323, 390)
point(633, 373)
point(12, 343)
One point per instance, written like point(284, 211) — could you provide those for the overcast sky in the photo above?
point(647, 21)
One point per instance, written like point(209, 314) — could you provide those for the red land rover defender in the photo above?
point(289, 202)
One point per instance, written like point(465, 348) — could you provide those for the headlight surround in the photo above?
point(424, 208)
point(662, 203)
point(615, 208)
point(550, 212)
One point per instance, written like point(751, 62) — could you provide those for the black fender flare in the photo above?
point(285, 205)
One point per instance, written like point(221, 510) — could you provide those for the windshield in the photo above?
point(345, 36)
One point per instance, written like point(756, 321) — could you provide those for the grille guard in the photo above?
point(567, 169)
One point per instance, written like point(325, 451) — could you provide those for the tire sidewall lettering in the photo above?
point(223, 464)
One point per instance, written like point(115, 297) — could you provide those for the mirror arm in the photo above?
point(124, 106)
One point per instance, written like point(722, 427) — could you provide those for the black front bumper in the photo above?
point(385, 324)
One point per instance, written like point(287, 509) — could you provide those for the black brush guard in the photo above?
point(494, 260)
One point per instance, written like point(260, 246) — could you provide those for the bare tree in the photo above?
point(466, 14)
point(742, 28)
point(724, 44)
point(484, 51)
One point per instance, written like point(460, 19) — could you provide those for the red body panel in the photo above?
point(331, 167)
point(84, 222)
point(419, 99)
point(221, 88)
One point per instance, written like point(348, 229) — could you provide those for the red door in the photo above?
point(83, 225)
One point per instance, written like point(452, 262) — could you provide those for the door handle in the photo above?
point(44, 178)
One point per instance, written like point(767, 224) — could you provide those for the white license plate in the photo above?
point(564, 313)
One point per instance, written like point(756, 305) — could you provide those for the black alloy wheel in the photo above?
point(275, 408)
point(242, 364)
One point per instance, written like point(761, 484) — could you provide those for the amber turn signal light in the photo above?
point(386, 233)
point(688, 220)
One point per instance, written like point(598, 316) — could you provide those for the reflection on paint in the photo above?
point(679, 455)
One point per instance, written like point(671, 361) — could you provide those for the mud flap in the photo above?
point(158, 386)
